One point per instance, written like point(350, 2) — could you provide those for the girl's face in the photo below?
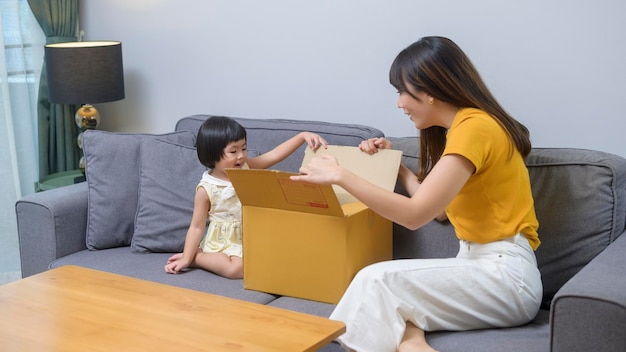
point(235, 155)
point(416, 106)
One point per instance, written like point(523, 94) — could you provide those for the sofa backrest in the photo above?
point(265, 134)
point(146, 182)
point(580, 201)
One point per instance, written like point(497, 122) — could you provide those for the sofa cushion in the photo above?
point(265, 134)
point(579, 200)
point(112, 170)
point(168, 177)
point(149, 267)
point(531, 337)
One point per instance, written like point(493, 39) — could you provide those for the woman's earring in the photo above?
point(431, 101)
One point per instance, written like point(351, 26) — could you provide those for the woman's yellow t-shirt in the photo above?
point(496, 202)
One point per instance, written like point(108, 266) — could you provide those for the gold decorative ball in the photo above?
point(87, 117)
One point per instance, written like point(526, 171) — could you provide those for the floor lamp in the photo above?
point(85, 73)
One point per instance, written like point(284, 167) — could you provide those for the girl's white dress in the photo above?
point(224, 232)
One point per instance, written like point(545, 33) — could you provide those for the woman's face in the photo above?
point(416, 105)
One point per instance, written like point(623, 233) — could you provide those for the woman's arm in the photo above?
point(427, 202)
point(410, 183)
point(406, 177)
point(408, 180)
point(285, 149)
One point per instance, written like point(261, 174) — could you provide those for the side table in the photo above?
point(59, 179)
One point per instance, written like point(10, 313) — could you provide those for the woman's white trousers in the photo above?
point(486, 285)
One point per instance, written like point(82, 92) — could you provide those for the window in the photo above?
point(21, 59)
point(22, 40)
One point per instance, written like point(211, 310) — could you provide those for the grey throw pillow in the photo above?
point(168, 178)
point(112, 169)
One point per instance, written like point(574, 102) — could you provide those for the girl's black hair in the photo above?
point(214, 135)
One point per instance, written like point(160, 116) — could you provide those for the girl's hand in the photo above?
point(371, 146)
point(321, 170)
point(177, 265)
point(313, 140)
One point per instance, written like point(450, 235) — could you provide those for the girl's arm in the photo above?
point(427, 202)
point(285, 149)
point(201, 206)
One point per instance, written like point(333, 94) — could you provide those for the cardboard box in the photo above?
point(308, 241)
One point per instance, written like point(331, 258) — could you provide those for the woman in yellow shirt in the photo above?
point(472, 172)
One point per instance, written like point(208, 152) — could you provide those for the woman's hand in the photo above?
point(321, 170)
point(371, 146)
point(313, 140)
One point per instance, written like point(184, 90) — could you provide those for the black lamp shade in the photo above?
point(85, 72)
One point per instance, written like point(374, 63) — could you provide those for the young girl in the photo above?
point(221, 144)
point(472, 169)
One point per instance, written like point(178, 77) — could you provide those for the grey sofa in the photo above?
point(134, 209)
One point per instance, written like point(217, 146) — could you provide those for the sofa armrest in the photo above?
point(50, 225)
point(589, 312)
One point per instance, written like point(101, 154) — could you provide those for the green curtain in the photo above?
point(58, 150)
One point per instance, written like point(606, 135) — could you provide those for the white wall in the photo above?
point(558, 66)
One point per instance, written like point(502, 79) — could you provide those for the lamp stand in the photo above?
point(87, 118)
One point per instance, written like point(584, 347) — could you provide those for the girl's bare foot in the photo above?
point(414, 340)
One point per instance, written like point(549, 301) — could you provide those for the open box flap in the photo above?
point(274, 189)
point(380, 168)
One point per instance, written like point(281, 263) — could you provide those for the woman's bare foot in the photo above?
point(414, 340)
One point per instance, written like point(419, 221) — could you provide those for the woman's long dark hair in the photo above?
point(439, 68)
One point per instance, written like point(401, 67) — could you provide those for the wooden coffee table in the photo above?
point(77, 309)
